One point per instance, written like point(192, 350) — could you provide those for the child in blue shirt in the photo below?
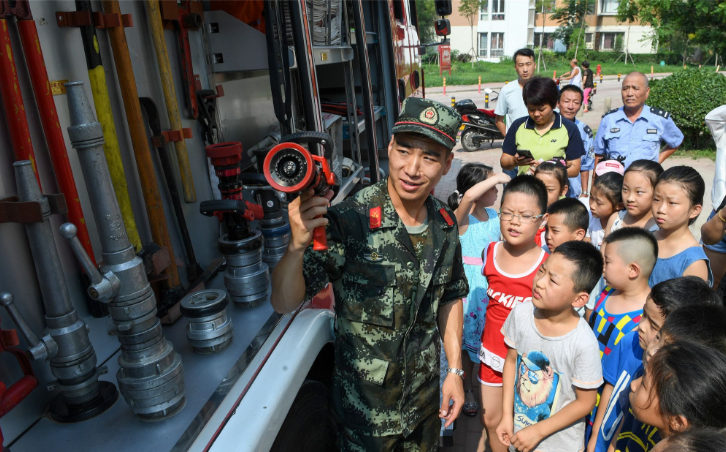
point(626, 359)
point(677, 202)
point(471, 202)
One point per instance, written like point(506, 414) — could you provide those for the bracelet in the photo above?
point(720, 217)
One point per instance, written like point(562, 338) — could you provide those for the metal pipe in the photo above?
point(13, 101)
point(151, 376)
point(152, 114)
point(51, 127)
point(99, 89)
point(365, 71)
point(172, 107)
point(74, 364)
point(306, 65)
point(144, 164)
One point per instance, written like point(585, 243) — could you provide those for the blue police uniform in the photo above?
point(588, 160)
point(617, 136)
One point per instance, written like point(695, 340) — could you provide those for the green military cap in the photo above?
point(431, 119)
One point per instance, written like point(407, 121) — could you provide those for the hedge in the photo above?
point(689, 95)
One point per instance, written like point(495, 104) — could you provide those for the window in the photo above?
point(549, 42)
point(609, 6)
point(497, 45)
point(414, 15)
point(497, 9)
point(398, 11)
point(483, 45)
point(548, 6)
point(588, 40)
point(612, 41)
point(484, 10)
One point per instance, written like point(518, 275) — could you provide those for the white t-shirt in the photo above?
point(547, 373)
point(577, 79)
point(596, 232)
point(510, 103)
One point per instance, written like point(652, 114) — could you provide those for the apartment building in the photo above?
point(501, 28)
point(603, 32)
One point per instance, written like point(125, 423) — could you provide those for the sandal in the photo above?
point(470, 408)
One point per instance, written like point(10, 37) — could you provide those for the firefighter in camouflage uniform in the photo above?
point(394, 261)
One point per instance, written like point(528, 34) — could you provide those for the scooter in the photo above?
point(478, 125)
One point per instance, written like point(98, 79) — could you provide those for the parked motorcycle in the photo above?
point(478, 125)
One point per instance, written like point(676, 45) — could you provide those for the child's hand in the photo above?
point(504, 430)
point(527, 439)
point(502, 178)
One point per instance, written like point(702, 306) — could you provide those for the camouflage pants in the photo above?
point(425, 438)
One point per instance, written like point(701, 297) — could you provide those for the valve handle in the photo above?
point(103, 288)
point(247, 210)
point(40, 349)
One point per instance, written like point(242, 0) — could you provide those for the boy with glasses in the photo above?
point(509, 267)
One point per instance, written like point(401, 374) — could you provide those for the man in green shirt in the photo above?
point(394, 261)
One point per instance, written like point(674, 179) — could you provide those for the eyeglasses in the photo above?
point(508, 216)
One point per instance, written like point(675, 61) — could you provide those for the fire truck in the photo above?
point(149, 150)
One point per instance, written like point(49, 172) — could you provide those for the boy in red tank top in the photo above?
point(509, 267)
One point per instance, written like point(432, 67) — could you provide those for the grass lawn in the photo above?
point(697, 154)
point(465, 74)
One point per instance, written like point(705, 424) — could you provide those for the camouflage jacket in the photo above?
point(386, 377)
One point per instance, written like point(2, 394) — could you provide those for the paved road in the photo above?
point(609, 89)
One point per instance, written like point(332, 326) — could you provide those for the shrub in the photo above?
point(689, 95)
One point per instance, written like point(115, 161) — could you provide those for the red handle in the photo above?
point(16, 393)
point(320, 238)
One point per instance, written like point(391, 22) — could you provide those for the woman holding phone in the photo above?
point(544, 134)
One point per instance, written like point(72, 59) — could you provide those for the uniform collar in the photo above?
point(389, 216)
point(644, 114)
point(529, 123)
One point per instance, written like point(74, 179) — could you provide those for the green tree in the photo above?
point(426, 14)
point(470, 10)
point(571, 17)
point(702, 21)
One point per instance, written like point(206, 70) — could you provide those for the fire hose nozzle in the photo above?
point(104, 287)
point(41, 349)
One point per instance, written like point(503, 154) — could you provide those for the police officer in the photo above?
point(394, 261)
point(569, 103)
point(635, 131)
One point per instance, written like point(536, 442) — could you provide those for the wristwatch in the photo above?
point(458, 372)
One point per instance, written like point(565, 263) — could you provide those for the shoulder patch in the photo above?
point(446, 216)
point(611, 111)
point(587, 130)
point(660, 112)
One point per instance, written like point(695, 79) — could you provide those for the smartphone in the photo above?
point(524, 153)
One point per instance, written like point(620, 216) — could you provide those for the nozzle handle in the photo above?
point(103, 287)
point(39, 349)
point(320, 238)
